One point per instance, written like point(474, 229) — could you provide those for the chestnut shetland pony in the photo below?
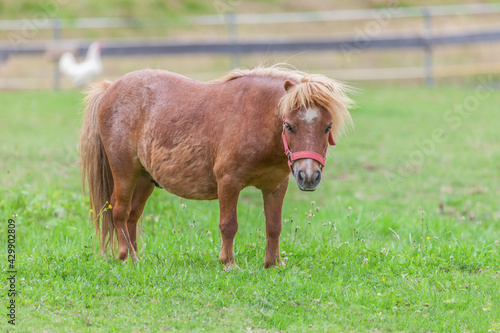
point(206, 141)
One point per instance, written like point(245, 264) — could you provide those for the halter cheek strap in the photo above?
point(304, 154)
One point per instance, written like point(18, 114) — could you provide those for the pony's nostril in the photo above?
point(301, 177)
point(316, 178)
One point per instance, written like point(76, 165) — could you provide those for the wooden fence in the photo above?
point(234, 47)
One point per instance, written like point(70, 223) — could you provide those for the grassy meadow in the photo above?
point(171, 9)
point(402, 234)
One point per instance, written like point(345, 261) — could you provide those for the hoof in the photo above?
point(122, 255)
point(122, 258)
point(274, 264)
point(132, 257)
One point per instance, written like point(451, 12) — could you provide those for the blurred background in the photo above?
point(366, 41)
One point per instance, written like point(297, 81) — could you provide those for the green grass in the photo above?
point(27, 9)
point(95, 8)
point(346, 269)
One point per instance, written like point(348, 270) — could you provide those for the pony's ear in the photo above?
point(330, 139)
point(288, 85)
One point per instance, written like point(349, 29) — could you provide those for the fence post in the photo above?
point(232, 30)
point(429, 61)
point(57, 36)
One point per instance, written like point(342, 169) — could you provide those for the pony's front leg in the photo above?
point(228, 192)
point(273, 203)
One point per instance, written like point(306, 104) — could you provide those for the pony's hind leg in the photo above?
point(121, 202)
point(142, 191)
point(126, 178)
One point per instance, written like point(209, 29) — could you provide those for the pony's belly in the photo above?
point(191, 189)
point(184, 172)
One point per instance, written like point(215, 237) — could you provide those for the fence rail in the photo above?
point(138, 47)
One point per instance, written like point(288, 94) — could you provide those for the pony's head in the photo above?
point(314, 111)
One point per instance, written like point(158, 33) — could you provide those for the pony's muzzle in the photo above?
point(307, 174)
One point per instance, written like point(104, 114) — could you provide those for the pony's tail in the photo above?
point(96, 172)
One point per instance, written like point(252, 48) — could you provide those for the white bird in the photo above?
point(82, 73)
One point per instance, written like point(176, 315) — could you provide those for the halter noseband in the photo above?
point(304, 154)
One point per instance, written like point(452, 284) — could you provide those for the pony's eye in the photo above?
point(328, 129)
point(289, 127)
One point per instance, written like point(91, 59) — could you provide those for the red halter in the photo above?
point(304, 154)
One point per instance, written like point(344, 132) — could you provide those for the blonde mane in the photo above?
point(308, 90)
